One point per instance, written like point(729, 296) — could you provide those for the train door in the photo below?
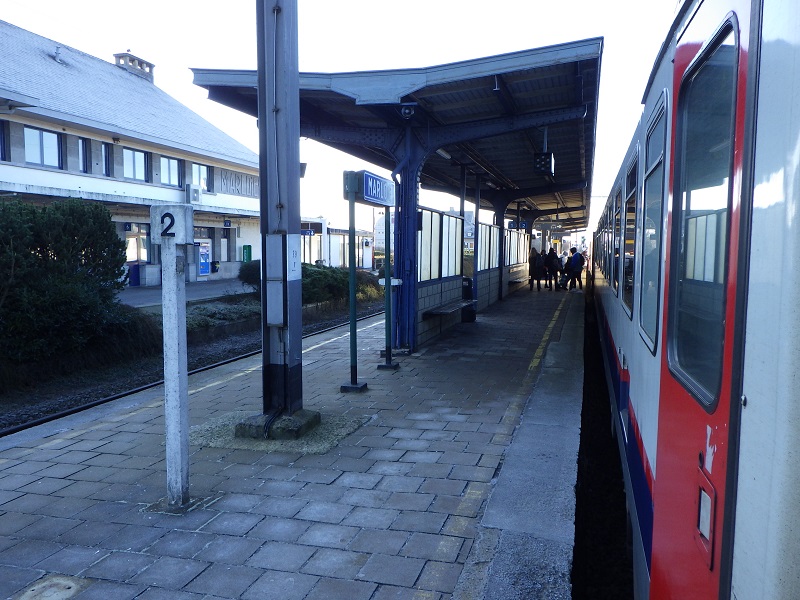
point(691, 519)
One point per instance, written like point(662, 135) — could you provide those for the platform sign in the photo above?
point(309, 232)
point(368, 188)
point(174, 221)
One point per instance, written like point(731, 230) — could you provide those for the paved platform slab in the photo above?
point(414, 502)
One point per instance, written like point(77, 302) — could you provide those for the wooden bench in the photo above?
point(447, 309)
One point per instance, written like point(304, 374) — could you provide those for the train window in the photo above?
point(704, 149)
point(617, 240)
point(649, 290)
point(628, 259)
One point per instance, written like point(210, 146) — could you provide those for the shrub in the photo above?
point(320, 283)
point(250, 275)
point(62, 266)
point(367, 287)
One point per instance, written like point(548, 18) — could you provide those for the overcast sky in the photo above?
point(352, 35)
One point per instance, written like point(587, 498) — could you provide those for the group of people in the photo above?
point(558, 272)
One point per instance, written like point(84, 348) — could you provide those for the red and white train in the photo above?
point(697, 286)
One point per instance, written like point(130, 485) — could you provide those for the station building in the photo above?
point(76, 126)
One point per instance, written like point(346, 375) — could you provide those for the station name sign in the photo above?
point(368, 188)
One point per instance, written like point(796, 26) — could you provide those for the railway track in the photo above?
point(75, 394)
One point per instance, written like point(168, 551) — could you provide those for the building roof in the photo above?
point(493, 116)
point(52, 81)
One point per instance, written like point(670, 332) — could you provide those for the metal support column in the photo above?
point(279, 180)
point(406, 225)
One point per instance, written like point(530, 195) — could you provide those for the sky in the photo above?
point(354, 35)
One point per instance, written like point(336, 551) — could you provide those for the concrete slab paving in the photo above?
point(429, 496)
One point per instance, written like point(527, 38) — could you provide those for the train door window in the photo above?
point(704, 148)
point(649, 289)
point(629, 255)
point(617, 240)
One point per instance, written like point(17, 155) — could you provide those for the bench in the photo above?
point(447, 309)
point(520, 280)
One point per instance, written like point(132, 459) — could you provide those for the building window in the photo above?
point(135, 164)
point(42, 147)
point(201, 176)
point(170, 171)
point(3, 142)
point(137, 242)
point(107, 152)
point(83, 155)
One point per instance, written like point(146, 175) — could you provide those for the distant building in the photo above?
point(76, 126)
point(327, 246)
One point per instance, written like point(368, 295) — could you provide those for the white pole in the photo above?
point(176, 381)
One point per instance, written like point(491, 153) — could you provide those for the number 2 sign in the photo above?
point(173, 222)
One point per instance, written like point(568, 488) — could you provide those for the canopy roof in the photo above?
point(495, 117)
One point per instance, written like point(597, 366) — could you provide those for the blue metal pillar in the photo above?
point(499, 216)
point(405, 243)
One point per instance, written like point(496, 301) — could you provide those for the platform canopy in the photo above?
point(504, 121)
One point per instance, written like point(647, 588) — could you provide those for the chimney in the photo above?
point(135, 65)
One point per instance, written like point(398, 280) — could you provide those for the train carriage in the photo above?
point(695, 283)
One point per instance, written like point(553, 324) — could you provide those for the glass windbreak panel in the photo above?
point(484, 242)
point(447, 248)
point(436, 244)
point(457, 259)
point(494, 258)
point(424, 250)
point(629, 258)
point(704, 148)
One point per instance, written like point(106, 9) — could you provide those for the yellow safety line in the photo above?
point(537, 356)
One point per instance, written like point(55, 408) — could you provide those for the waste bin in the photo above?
point(215, 266)
point(468, 313)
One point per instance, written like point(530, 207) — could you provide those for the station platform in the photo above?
point(452, 477)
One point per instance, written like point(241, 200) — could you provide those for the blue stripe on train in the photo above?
point(642, 496)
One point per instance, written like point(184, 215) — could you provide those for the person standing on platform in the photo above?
point(554, 266)
point(536, 265)
point(575, 268)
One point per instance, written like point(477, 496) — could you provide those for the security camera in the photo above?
point(406, 111)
